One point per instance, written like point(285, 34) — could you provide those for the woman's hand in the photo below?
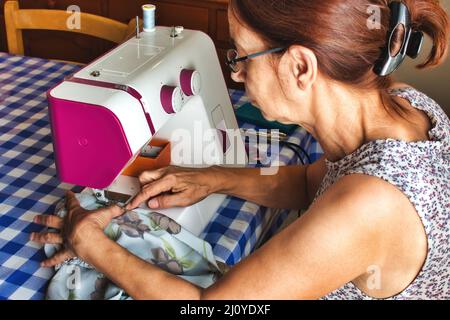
point(79, 228)
point(176, 187)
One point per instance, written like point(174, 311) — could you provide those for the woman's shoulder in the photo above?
point(400, 85)
point(366, 201)
point(416, 98)
point(422, 102)
point(371, 202)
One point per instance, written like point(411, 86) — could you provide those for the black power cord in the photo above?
point(297, 153)
point(298, 150)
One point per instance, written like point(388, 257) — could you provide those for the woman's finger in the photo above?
point(150, 176)
point(169, 201)
point(58, 258)
point(49, 221)
point(104, 216)
point(50, 238)
point(72, 202)
point(151, 190)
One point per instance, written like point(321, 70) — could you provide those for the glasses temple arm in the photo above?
point(254, 55)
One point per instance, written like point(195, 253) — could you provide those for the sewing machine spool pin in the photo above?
point(137, 28)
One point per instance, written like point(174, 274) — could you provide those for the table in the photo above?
point(29, 186)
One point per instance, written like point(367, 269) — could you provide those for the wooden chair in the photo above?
point(17, 19)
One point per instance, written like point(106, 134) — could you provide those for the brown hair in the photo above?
point(337, 32)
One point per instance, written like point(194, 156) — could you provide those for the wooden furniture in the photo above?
point(17, 19)
point(209, 16)
point(3, 46)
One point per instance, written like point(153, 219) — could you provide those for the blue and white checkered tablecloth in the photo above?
point(29, 186)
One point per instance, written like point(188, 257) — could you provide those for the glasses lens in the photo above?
point(232, 55)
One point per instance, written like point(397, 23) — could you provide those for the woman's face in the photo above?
point(268, 80)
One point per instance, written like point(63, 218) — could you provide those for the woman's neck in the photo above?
point(345, 119)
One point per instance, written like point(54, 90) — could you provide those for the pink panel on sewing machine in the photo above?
point(91, 148)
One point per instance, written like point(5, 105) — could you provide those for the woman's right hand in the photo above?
point(175, 187)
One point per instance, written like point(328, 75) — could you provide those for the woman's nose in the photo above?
point(238, 76)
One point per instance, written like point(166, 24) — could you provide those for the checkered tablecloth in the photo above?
point(29, 186)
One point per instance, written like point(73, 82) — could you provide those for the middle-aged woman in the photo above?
point(378, 201)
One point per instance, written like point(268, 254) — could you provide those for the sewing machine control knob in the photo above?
point(191, 82)
point(179, 29)
point(171, 99)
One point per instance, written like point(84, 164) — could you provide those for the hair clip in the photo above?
point(411, 45)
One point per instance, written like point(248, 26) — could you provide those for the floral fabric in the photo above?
point(149, 235)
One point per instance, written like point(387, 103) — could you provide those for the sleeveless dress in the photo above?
point(421, 170)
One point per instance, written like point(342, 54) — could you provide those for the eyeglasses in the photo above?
point(234, 61)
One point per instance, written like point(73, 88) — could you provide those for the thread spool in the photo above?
point(149, 11)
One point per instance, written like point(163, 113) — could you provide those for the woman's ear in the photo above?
point(302, 67)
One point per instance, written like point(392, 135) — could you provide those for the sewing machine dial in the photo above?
point(172, 99)
point(191, 82)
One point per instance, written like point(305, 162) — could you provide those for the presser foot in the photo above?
point(110, 198)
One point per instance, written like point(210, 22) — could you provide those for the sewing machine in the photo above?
point(164, 86)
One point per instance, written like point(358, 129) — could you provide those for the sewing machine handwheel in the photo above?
point(171, 99)
point(191, 82)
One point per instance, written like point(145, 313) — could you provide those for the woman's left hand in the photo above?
point(77, 229)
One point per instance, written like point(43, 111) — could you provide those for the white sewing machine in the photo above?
point(165, 85)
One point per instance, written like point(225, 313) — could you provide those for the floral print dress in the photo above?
point(421, 170)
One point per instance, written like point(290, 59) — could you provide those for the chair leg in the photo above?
point(14, 34)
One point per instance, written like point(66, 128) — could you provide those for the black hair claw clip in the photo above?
point(411, 45)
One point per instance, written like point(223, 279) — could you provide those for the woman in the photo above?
point(376, 224)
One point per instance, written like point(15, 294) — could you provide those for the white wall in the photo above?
point(434, 82)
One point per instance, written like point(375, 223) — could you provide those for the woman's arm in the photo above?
point(335, 242)
point(293, 187)
point(140, 279)
point(287, 189)
point(174, 186)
